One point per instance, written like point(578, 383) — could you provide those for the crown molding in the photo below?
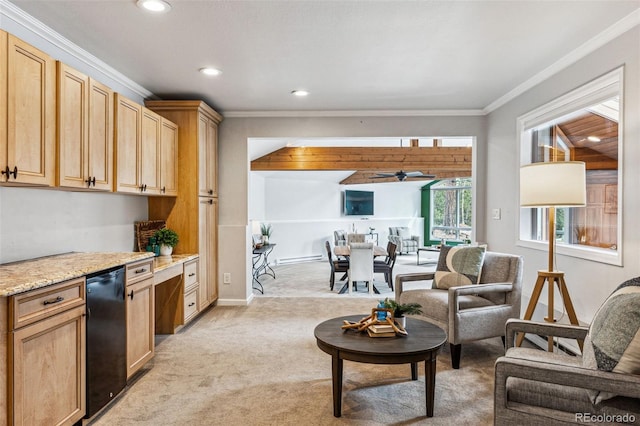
point(10, 11)
point(614, 31)
point(354, 113)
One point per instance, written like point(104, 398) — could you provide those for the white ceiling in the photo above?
point(351, 55)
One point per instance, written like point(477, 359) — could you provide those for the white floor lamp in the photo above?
point(551, 185)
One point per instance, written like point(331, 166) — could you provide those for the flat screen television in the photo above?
point(358, 203)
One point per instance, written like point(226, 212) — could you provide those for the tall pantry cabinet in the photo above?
point(193, 214)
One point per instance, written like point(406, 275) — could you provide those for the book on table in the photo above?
point(380, 334)
point(381, 330)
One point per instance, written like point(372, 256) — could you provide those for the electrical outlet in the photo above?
point(496, 213)
point(226, 278)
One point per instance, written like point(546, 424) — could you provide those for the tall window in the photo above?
point(451, 211)
point(580, 126)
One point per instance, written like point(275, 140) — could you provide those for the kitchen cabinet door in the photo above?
point(100, 141)
point(48, 369)
point(169, 158)
point(140, 324)
point(208, 242)
point(128, 134)
point(29, 147)
point(207, 157)
point(150, 152)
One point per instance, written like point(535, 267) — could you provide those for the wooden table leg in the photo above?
point(336, 371)
point(430, 382)
point(414, 371)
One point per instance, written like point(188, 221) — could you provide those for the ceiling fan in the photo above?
point(402, 175)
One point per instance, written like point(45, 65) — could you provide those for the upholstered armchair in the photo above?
point(468, 312)
point(404, 241)
point(602, 385)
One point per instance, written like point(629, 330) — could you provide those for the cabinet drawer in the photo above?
point(190, 304)
point(32, 306)
point(139, 271)
point(190, 274)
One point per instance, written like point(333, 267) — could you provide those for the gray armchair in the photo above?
point(471, 312)
point(534, 386)
point(404, 241)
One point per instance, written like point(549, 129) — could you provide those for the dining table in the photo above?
point(344, 251)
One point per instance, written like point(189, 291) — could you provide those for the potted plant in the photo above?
point(167, 239)
point(402, 309)
point(266, 231)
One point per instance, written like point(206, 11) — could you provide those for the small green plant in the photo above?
point(167, 237)
point(402, 309)
point(265, 228)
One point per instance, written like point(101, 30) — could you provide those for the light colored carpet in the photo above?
point(259, 365)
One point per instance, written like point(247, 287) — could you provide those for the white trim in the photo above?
point(614, 31)
point(10, 11)
point(235, 302)
point(356, 113)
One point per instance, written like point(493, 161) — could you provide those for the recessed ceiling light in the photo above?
point(157, 6)
point(593, 138)
point(210, 71)
point(300, 93)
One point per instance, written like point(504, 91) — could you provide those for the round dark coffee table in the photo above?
point(421, 344)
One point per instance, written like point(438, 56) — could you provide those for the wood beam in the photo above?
point(443, 162)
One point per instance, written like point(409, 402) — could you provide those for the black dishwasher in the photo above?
point(106, 338)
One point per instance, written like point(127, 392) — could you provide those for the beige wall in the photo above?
point(589, 282)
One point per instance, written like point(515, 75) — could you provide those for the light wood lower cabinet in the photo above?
point(140, 324)
point(47, 356)
point(140, 307)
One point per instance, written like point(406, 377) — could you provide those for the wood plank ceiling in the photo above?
point(443, 162)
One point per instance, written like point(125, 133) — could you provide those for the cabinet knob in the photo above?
point(163, 190)
point(210, 201)
point(210, 192)
point(143, 187)
point(15, 172)
point(7, 172)
point(131, 295)
point(91, 181)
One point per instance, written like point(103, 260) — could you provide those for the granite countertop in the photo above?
point(18, 277)
point(164, 262)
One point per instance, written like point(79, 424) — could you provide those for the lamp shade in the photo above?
point(560, 184)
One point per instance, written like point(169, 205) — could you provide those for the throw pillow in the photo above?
point(458, 266)
point(613, 341)
point(404, 233)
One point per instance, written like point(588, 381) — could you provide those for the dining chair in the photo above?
point(386, 266)
point(361, 265)
point(337, 266)
point(355, 238)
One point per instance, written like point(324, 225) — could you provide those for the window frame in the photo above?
point(456, 228)
point(598, 90)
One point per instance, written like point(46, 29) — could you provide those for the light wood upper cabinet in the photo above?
point(146, 150)
point(169, 158)
point(27, 137)
point(128, 134)
point(150, 151)
point(207, 157)
point(85, 131)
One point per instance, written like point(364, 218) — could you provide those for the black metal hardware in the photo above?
point(93, 181)
point(139, 271)
point(192, 274)
point(131, 295)
point(15, 172)
point(191, 304)
point(210, 201)
point(90, 181)
point(163, 190)
point(51, 302)
point(210, 192)
point(6, 172)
